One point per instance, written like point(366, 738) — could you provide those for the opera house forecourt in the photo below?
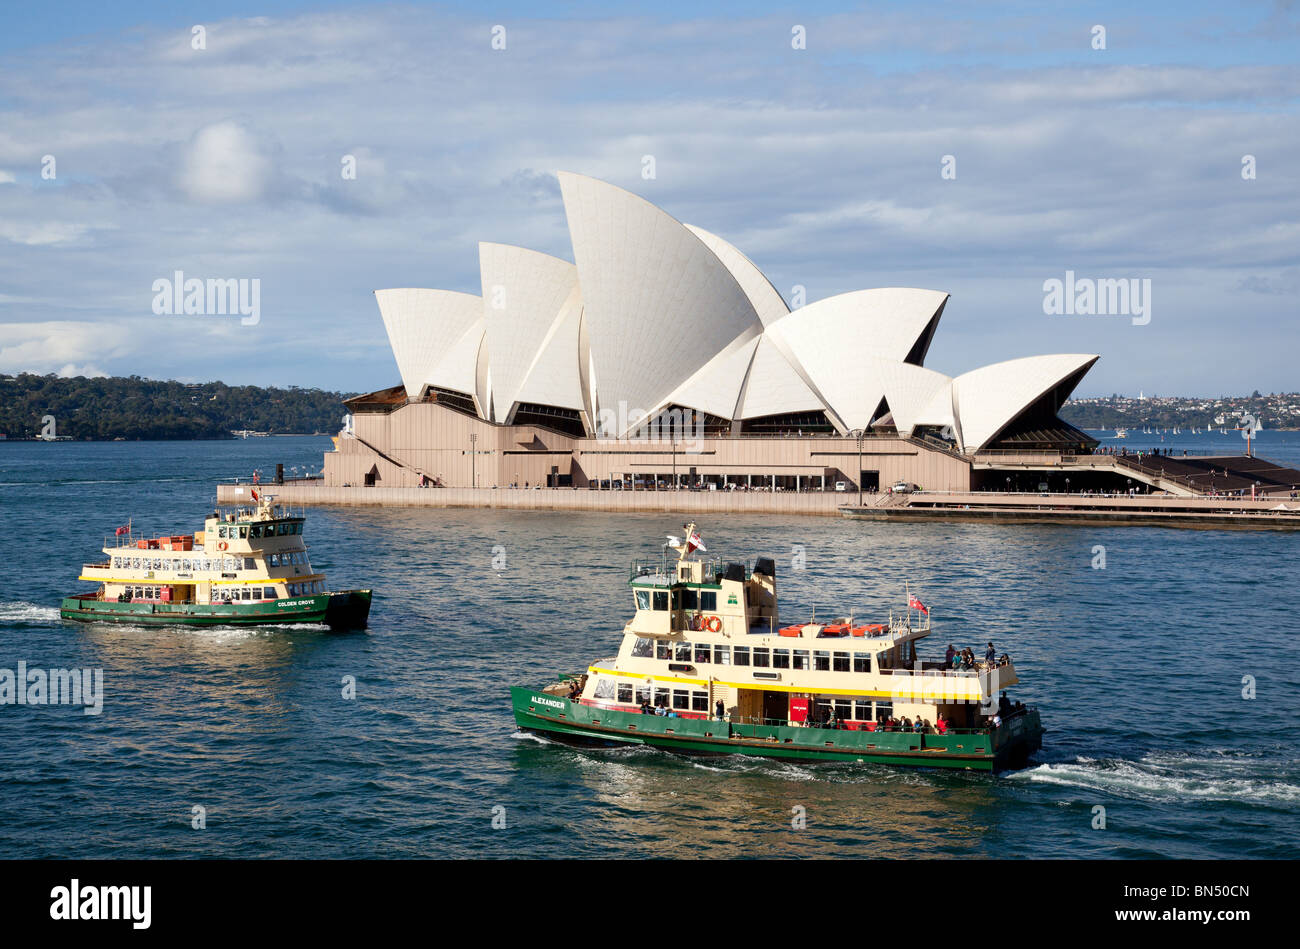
point(663, 355)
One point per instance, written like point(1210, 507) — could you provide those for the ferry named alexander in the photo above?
point(247, 567)
point(705, 667)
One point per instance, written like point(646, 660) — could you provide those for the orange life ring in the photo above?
point(222, 545)
point(713, 624)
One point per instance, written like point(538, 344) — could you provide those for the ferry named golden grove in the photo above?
point(247, 567)
point(705, 667)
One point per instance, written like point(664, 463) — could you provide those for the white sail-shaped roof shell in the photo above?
point(768, 304)
point(909, 390)
point(523, 294)
point(553, 376)
point(774, 386)
point(424, 326)
point(464, 367)
point(989, 398)
point(715, 388)
point(832, 340)
point(939, 412)
point(658, 303)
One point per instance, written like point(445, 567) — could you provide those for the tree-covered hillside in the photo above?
point(136, 408)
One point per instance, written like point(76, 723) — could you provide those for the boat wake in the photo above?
point(1165, 777)
point(24, 613)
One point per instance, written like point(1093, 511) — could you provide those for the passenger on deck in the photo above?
point(918, 725)
point(720, 711)
point(940, 726)
point(947, 657)
point(990, 654)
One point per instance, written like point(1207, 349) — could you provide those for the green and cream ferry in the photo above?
point(705, 667)
point(247, 567)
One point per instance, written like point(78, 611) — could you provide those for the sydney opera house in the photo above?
point(662, 352)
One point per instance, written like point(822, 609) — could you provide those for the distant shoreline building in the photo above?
point(663, 352)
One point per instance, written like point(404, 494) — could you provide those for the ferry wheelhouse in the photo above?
point(706, 667)
point(248, 566)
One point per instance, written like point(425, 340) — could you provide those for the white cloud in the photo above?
point(224, 163)
point(90, 372)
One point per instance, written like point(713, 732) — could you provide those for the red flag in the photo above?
point(914, 604)
point(122, 530)
point(255, 497)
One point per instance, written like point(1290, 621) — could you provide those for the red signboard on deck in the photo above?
point(798, 708)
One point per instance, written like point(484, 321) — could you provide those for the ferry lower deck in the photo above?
point(1008, 746)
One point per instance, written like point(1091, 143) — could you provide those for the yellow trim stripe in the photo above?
point(765, 687)
point(178, 581)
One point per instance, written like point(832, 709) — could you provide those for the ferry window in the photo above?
point(840, 662)
point(663, 650)
point(284, 529)
point(843, 709)
point(293, 589)
point(643, 694)
point(250, 563)
point(243, 532)
point(187, 565)
point(604, 688)
point(709, 601)
point(625, 692)
point(702, 652)
point(821, 660)
point(760, 657)
point(677, 599)
point(884, 710)
point(268, 593)
point(862, 710)
point(643, 648)
point(690, 599)
point(643, 599)
point(221, 531)
point(780, 659)
point(801, 659)
point(681, 698)
point(661, 599)
point(862, 662)
point(699, 701)
point(822, 709)
point(742, 655)
point(683, 652)
point(135, 563)
point(255, 531)
point(273, 560)
point(245, 594)
point(722, 655)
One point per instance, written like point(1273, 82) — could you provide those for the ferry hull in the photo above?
point(346, 609)
point(558, 718)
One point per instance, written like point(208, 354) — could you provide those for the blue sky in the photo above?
point(822, 164)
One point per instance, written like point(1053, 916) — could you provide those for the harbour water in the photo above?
point(1139, 669)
